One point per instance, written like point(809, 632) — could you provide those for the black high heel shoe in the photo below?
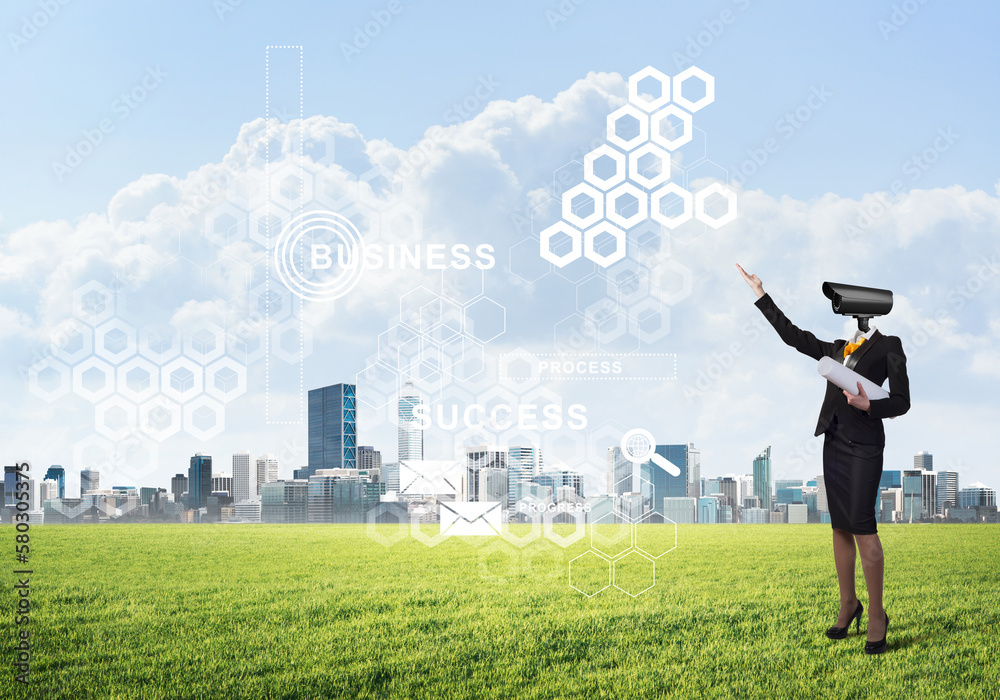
point(841, 632)
point(880, 646)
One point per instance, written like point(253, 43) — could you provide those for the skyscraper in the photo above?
point(57, 474)
point(411, 437)
point(929, 505)
point(619, 472)
point(199, 481)
point(523, 464)
point(913, 494)
point(656, 483)
point(947, 490)
point(923, 460)
point(90, 480)
point(333, 429)
point(267, 471)
point(762, 478)
point(222, 482)
point(178, 485)
point(477, 459)
point(369, 458)
point(241, 477)
point(977, 494)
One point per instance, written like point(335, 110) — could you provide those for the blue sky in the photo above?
point(886, 93)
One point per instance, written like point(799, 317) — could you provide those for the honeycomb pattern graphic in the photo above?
point(628, 179)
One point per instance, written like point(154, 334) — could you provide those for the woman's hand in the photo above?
point(859, 400)
point(754, 281)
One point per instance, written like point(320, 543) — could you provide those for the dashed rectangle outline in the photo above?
point(502, 376)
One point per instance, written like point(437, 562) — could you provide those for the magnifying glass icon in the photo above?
point(638, 447)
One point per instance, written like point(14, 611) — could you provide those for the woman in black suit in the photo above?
point(852, 456)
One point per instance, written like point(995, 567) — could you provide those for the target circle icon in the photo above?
point(341, 248)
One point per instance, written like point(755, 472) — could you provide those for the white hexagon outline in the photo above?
point(668, 111)
point(673, 298)
point(579, 517)
point(83, 290)
point(634, 321)
point(305, 192)
point(650, 554)
point(188, 394)
point(93, 362)
point(159, 357)
point(694, 72)
point(631, 534)
point(633, 89)
point(241, 379)
point(131, 418)
point(621, 165)
point(160, 402)
point(621, 559)
point(523, 541)
point(86, 347)
point(213, 354)
point(627, 222)
point(237, 213)
point(419, 535)
point(131, 344)
point(580, 556)
point(671, 222)
point(590, 235)
point(65, 381)
point(154, 379)
point(370, 524)
point(198, 402)
point(699, 205)
point(640, 138)
point(383, 219)
point(576, 249)
point(569, 215)
point(470, 328)
point(306, 342)
point(633, 165)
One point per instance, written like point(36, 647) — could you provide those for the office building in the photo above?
point(343, 495)
point(708, 510)
point(247, 511)
point(822, 506)
point(199, 481)
point(891, 504)
point(762, 478)
point(222, 483)
point(913, 495)
point(680, 509)
point(369, 458)
point(977, 494)
point(411, 437)
point(947, 491)
point(929, 504)
point(48, 489)
point(242, 486)
point(891, 479)
point(524, 463)
point(58, 474)
point(493, 485)
point(923, 461)
point(477, 459)
point(178, 487)
point(390, 475)
point(284, 501)
point(90, 480)
point(333, 429)
point(267, 471)
point(619, 472)
point(798, 513)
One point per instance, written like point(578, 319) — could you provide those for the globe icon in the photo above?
point(638, 446)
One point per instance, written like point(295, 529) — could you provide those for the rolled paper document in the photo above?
point(847, 379)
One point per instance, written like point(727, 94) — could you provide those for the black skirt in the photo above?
point(851, 474)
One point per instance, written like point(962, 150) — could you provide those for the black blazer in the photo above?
point(877, 359)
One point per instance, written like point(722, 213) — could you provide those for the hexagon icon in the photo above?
point(181, 379)
point(593, 573)
point(291, 343)
point(684, 76)
point(115, 418)
point(267, 223)
point(160, 418)
point(634, 573)
point(400, 223)
point(71, 341)
point(93, 379)
point(634, 120)
point(378, 520)
point(673, 194)
point(627, 206)
point(649, 320)
point(49, 379)
point(138, 379)
point(596, 240)
point(159, 345)
point(575, 333)
point(93, 303)
point(561, 228)
point(115, 341)
point(649, 165)
point(579, 531)
point(204, 418)
point(225, 379)
point(639, 93)
point(716, 188)
point(655, 539)
point(291, 186)
point(675, 282)
point(524, 264)
point(610, 537)
point(485, 319)
point(577, 210)
point(206, 342)
point(663, 127)
point(596, 163)
point(225, 224)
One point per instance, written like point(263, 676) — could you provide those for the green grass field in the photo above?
point(322, 611)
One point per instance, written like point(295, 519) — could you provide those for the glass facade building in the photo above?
point(762, 478)
point(333, 429)
point(58, 474)
point(199, 481)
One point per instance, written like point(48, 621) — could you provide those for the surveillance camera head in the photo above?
point(862, 303)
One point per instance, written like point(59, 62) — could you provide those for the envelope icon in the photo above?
point(430, 477)
point(471, 519)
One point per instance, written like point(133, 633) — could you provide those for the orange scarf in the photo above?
point(851, 347)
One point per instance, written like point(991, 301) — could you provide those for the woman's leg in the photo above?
point(843, 558)
point(873, 565)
